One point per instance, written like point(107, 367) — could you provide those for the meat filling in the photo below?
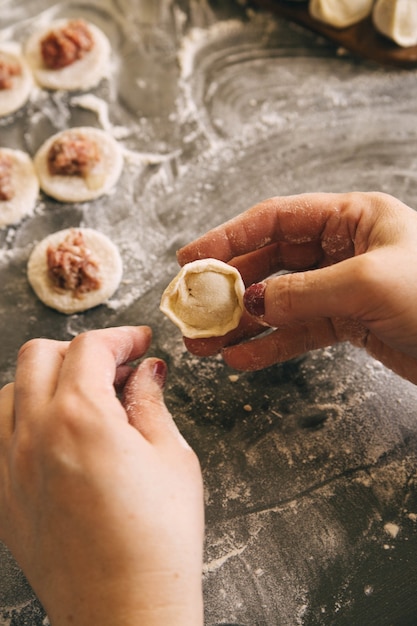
point(72, 266)
point(9, 68)
point(64, 46)
point(6, 185)
point(73, 154)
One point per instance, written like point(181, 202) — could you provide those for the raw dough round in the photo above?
point(205, 299)
point(26, 188)
point(340, 13)
point(110, 268)
point(83, 74)
point(102, 179)
point(14, 98)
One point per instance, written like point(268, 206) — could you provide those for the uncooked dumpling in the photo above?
point(75, 269)
point(205, 299)
point(397, 19)
point(340, 13)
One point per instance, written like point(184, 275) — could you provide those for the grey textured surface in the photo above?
point(219, 106)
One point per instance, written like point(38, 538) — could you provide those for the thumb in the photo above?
point(144, 404)
point(341, 290)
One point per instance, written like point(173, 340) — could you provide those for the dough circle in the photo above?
point(83, 74)
point(205, 299)
point(111, 270)
point(26, 188)
point(14, 98)
point(104, 175)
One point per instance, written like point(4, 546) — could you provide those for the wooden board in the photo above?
point(361, 39)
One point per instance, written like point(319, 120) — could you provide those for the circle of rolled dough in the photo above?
point(110, 264)
point(103, 177)
point(83, 74)
point(26, 188)
point(14, 98)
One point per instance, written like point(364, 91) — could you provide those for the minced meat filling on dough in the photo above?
point(72, 267)
point(6, 186)
point(73, 154)
point(9, 68)
point(64, 46)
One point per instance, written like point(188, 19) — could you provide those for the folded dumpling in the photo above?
point(340, 13)
point(397, 19)
point(205, 299)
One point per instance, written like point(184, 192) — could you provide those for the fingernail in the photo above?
point(254, 299)
point(160, 372)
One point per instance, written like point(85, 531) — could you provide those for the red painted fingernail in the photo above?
point(160, 372)
point(254, 299)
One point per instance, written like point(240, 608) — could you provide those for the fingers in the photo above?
point(6, 412)
point(248, 327)
point(342, 291)
point(144, 403)
point(291, 341)
point(257, 265)
point(402, 364)
point(352, 289)
point(93, 359)
point(92, 363)
point(38, 366)
point(294, 219)
point(338, 225)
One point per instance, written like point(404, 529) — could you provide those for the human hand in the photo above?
point(100, 500)
point(354, 263)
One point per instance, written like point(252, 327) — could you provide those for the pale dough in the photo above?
point(397, 19)
point(340, 13)
point(205, 299)
point(83, 74)
point(103, 177)
point(14, 98)
point(110, 264)
point(25, 185)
